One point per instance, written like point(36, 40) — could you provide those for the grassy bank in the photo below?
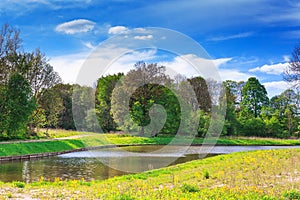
point(14, 149)
point(271, 174)
point(79, 140)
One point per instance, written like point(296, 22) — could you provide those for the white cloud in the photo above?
point(287, 14)
point(143, 37)
point(235, 75)
point(276, 87)
point(68, 66)
point(127, 61)
point(75, 26)
point(89, 45)
point(286, 58)
point(24, 6)
point(275, 69)
point(220, 61)
point(85, 69)
point(118, 30)
point(140, 30)
point(230, 37)
point(203, 67)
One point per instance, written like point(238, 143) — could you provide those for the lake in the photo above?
point(117, 161)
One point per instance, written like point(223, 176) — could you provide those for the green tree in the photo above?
point(201, 90)
point(65, 120)
point(254, 97)
point(252, 127)
point(156, 94)
point(34, 66)
point(231, 123)
point(105, 87)
point(4, 112)
point(52, 106)
point(10, 45)
point(137, 92)
point(55, 108)
point(289, 120)
point(20, 105)
point(83, 108)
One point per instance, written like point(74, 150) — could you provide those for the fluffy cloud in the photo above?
point(235, 75)
point(68, 66)
point(118, 30)
point(127, 61)
point(204, 67)
point(75, 26)
point(275, 69)
point(276, 87)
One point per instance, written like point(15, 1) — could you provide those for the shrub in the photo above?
point(19, 184)
point(189, 188)
point(206, 175)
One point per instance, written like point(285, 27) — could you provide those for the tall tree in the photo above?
point(20, 105)
point(231, 124)
point(52, 106)
point(141, 84)
point(10, 44)
point(56, 107)
point(83, 108)
point(201, 90)
point(254, 97)
point(105, 87)
point(35, 68)
point(292, 73)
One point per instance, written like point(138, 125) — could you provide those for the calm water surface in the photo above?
point(89, 164)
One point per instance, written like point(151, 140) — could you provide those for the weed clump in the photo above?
point(189, 188)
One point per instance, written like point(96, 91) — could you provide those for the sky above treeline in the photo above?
point(244, 38)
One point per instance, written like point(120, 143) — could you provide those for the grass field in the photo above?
point(269, 174)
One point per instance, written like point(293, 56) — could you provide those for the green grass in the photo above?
point(128, 139)
point(85, 139)
point(13, 149)
point(269, 174)
point(57, 133)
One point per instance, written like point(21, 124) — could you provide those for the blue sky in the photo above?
point(244, 37)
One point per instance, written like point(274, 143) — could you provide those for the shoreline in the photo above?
point(216, 177)
point(4, 159)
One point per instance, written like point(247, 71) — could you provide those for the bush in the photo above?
point(206, 175)
point(253, 127)
point(19, 184)
point(189, 188)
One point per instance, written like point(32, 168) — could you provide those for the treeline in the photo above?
point(145, 100)
point(249, 111)
point(25, 77)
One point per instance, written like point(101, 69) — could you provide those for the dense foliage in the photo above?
point(145, 100)
point(24, 77)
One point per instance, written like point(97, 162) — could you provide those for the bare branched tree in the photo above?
point(292, 73)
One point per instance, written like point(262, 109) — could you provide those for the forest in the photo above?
point(32, 96)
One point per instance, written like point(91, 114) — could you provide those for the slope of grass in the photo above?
point(83, 139)
point(13, 149)
point(270, 174)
